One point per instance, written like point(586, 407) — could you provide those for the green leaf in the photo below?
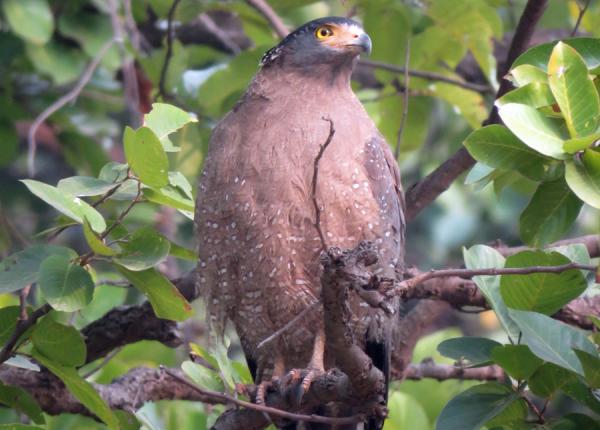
point(552, 340)
point(534, 94)
point(541, 292)
point(482, 257)
point(81, 390)
point(68, 204)
point(495, 146)
point(591, 368)
point(30, 19)
point(146, 156)
point(84, 186)
point(19, 427)
point(548, 379)
point(476, 350)
point(165, 119)
point(583, 394)
point(539, 55)
point(8, 321)
point(169, 196)
point(62, 63)
point(145, 249)
point(165, 298)
point(583, 177)
point(550, 213)
point(66, 286)
point(182, 253)
point(405, 413)
point(534, 129)
point(203, 376)
point(95, 243)
point(516, 360)
point(575, 421)
point(23, 402)
point(22, 268)
point(177, 179)
point(580, 143)
point(574, 90)
point(60, 343)
point(474, 407)
point(469, 104)
point(526, 74)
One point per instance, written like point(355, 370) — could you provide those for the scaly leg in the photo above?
point(278, 371)
point(316, 366)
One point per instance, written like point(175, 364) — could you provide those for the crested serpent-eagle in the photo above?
point(258, 245)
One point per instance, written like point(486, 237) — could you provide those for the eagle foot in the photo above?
point(261, 392)
point(300, 380)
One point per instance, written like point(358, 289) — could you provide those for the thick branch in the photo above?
point(427, 190)
point(442, 372)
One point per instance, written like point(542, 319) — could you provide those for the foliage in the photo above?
point(122, 199)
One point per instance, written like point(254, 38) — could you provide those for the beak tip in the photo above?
point(365, 43)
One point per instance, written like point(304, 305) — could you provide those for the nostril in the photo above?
point(356, 36)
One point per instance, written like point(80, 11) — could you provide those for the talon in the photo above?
point(304, 386)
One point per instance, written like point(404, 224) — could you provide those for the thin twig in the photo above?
point(469, 273)
point(322, 149)
point(534, 409)
point(582, 11)
point(262, 408)
point(267, 11)
point(162, 92)
point(404, 100)
point(103, 363)
point(290, 324)
point(87, 74)
point(431, 76)
point(123, 214)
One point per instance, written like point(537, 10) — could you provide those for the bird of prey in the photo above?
point(258, 243)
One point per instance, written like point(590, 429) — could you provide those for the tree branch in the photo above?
point(271, 16)
point(442, 372)
point(162, 92)
point(421, 194)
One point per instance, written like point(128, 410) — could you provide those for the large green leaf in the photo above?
point(22, 268)
point(165, 298)
point(552, 340)
point(81, 390)
point(66, 286)
point(405, 413)
point(549, 378)
point(591, 368)
point(83, 186)
point(526, 74)
point(583, 177)
point(550, 213)
point(539, 55)
point(541, 292)
point(534, 129)
point(146, 156)
point(20, 400)
point(516, 360)
point(495, 146)
point(482, 257)
point(169, 196)
point(9, 316)
point(476, 350)
point(68, 204)
point(60, 343)
point(474, 407)
point(145, 249)
point(30, 19)
point(534, 94)
point(573, 90)
point(165, 119)
point(203, 376)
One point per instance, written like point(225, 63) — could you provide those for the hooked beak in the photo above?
point(363, 42)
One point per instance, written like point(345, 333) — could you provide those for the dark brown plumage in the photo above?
point(258, 245)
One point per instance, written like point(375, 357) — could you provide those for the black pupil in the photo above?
point(324, 32)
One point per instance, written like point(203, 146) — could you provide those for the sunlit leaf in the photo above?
point(203, 376)
point(534, 129)
point(146, 156)
point(30, 19)
point(165, 119)
point(534, 94)
point(583, 177)
point(526, 74)
point(83, 186)
point(539, 55)
point(541, 292)
point(68, 204)
point(166, 300)
point(574, 91)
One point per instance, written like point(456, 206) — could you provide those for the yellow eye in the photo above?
point(323, 32)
